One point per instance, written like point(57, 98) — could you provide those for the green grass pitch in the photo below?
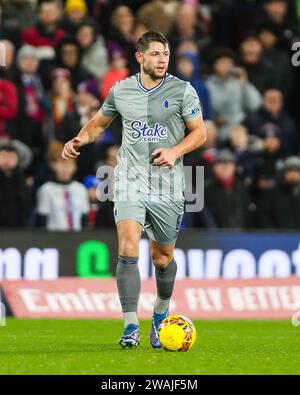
point(90, 347)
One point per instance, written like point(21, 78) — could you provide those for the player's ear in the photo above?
point(139, 57)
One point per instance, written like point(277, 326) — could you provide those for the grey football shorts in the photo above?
point(160, 218)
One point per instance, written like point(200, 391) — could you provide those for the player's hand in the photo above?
point(164, 157)
point(242, 75)
point(71, 147)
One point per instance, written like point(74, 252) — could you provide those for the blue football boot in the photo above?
point(131, 337)
point(156, 321)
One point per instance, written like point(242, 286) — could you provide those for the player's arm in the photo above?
point(195, 138)
point(192, 116)
point(94, 128)
point(90, 132)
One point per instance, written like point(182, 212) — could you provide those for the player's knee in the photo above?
point(160, 260)
point(128, 248)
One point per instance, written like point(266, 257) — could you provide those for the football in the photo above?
point(177, 333)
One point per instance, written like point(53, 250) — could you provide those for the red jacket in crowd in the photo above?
point(8, 104)
point(37, 37)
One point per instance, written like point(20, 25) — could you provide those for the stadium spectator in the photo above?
point(155, 16)
point(279, 207)
point(8, 106)
point(187, 27)
point(23, 151)
point(101, 11)
point(231, 20)
point(28, 125)
point(261, 73)
point(232, 95)
point(277, 13)
point(245, 157)
point(268, 161)
point(188, 69)
point(138, 31)
point(61, 95)
point(85, 102)
point(121, 35)
point(62, 204)
point(94, 54)
point(188, 45)
point(9, 71)
point(283, 76)
point(13, 196)
point(226, 198)
point(76, 12)
point(85, 98)
point(117, 72)
point(91, 183)
point(271, 120)
point(68, 56)
point(18, 15)
point(46, 33)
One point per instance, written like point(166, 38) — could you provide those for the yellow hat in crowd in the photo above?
point(76, 4)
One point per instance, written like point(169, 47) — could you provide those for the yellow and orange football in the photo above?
point(177, 333)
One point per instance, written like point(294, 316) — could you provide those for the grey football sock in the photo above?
point(129, 286)
point(161, 305)
point(130, 318)
point(165, 279)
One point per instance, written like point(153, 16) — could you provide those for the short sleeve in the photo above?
point(43, 201)
point(108, 108)
point(191, 107)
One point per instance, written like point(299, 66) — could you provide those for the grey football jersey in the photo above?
point(151, 118)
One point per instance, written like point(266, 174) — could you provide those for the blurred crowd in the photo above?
point(59, 60)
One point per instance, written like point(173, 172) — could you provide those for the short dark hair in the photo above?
point(149, 37)
point(8, 147)
point(269, 27)
point(221, 52)
point(41, 2)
